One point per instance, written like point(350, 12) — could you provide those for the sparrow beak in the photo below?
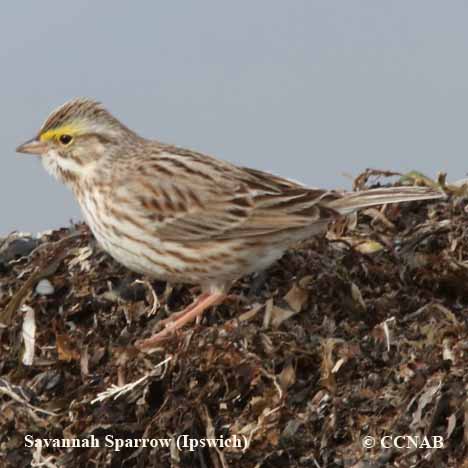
point(33, 146)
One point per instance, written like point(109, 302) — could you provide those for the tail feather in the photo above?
point(353, 201)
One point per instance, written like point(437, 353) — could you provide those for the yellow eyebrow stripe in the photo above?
point(56, 132)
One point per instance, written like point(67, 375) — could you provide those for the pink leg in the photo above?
point(189, 314)
point(175, 315)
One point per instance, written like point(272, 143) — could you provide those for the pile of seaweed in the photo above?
point(346, 343)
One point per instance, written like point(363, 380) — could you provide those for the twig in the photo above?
point(17, 299)
point(155, 306)
point(7, 389)
point(41, 272)
point(116, 391)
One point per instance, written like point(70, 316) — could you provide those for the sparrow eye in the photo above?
point(65, 139)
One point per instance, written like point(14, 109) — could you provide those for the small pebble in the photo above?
point(45, 288)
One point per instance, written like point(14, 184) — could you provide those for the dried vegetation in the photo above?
point(360, 334)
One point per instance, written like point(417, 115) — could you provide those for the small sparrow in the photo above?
point(182, 216)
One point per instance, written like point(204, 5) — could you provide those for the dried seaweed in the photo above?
point(361, 333)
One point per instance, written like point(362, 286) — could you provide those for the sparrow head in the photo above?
point(75, 137)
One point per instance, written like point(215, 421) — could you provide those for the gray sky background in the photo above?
point(309, 89)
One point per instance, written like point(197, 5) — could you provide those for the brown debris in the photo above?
point(362, 333)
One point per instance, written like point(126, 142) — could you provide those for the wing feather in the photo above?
point(224, 204)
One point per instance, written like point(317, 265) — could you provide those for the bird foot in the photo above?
point(172, 324)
